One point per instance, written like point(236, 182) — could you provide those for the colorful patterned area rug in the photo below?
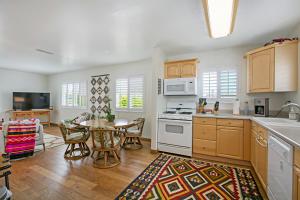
point(172, 177)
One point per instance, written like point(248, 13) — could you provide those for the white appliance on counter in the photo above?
point(180, 86)
point(175, 128)
point(280, 169)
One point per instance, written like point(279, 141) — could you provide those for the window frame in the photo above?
point(74, 107)
point(219, 98)
point(128, 109)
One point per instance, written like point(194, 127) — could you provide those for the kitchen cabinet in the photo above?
point(253, 153)
point(204, 136)
point(259, 152)
point(226, 138)
point(296, 182)
point(207, 147)
point(181, 69)
point(230, 142)
point(273, 68)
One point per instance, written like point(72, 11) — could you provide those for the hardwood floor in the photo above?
point(47, 175)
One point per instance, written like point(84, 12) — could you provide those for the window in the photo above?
point(210, 84)
point(74, 95)
point(228, 84)
point(219, 84)
point(130, 93)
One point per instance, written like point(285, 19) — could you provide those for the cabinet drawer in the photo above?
point(262, 132)
point(205, 121)
point(297, 157)
point(206, 147)
point(230, 122)
point(206, 132)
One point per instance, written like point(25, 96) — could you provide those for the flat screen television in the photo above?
point(30, 100)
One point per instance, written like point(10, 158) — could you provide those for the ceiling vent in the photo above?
point(45, 51)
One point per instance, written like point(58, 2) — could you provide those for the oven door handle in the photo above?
point(175, 120)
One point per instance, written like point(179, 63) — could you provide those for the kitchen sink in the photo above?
point(279, 122)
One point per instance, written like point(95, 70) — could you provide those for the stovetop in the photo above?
point(179, 111)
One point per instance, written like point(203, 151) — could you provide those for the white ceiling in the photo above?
point(88, 33)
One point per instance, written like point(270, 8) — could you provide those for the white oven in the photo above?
point(180, 86)
point(175, 136)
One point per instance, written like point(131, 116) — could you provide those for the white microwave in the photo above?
point(180, 86)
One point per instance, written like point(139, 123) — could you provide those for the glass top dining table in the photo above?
point(102, 123)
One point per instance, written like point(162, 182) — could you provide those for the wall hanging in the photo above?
point(99, 94)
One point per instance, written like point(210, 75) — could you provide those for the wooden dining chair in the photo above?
point(76, 139)
point(106, 143)
point(133, 134)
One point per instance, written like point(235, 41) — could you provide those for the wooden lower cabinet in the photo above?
point(259, 153)
point(206, 132)
point(253, 153)
point(206, 147)
point(296, 184)
point(230, 142)
point(261, 150)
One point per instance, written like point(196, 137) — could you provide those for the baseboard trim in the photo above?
point(223, 160)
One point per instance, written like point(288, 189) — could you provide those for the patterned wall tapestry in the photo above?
point(100, 98)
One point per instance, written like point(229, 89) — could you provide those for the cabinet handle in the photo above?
point(259, 142)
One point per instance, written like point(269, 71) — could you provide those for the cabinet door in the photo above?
point(261, 150)
point(230, 142)
point(253, 153)
point(296, 185)
point(261, 71)
point(188, 69)
point(172, 70)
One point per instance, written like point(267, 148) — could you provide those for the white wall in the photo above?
point(16, 81)
point(230, 58)
point(116, 71)
point(159, 101)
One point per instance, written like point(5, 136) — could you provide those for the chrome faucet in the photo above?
point(289, 105)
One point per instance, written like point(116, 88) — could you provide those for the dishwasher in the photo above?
point(280, 169)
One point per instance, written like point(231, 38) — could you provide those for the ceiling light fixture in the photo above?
point(220, 16)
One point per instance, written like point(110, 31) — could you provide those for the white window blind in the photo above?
point(210, 84)
point(122, 93)
point(130, 93)
point(74, 95)
point(228, 84)
point(136, 92)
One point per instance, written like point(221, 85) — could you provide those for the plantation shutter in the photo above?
point(210, 84)
point(136, 93)
point(82, 101)
point(69, 94)
point(122, 93)
point(64, 92)
point(74, 94)
point(228, 84)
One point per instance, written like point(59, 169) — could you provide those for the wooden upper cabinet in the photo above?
point(273, 68)
point(261, 71)
point(181, 69)
point(188, 69)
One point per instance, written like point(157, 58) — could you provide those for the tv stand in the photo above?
point(37, 113)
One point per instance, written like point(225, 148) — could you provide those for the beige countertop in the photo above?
point(288, 130)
